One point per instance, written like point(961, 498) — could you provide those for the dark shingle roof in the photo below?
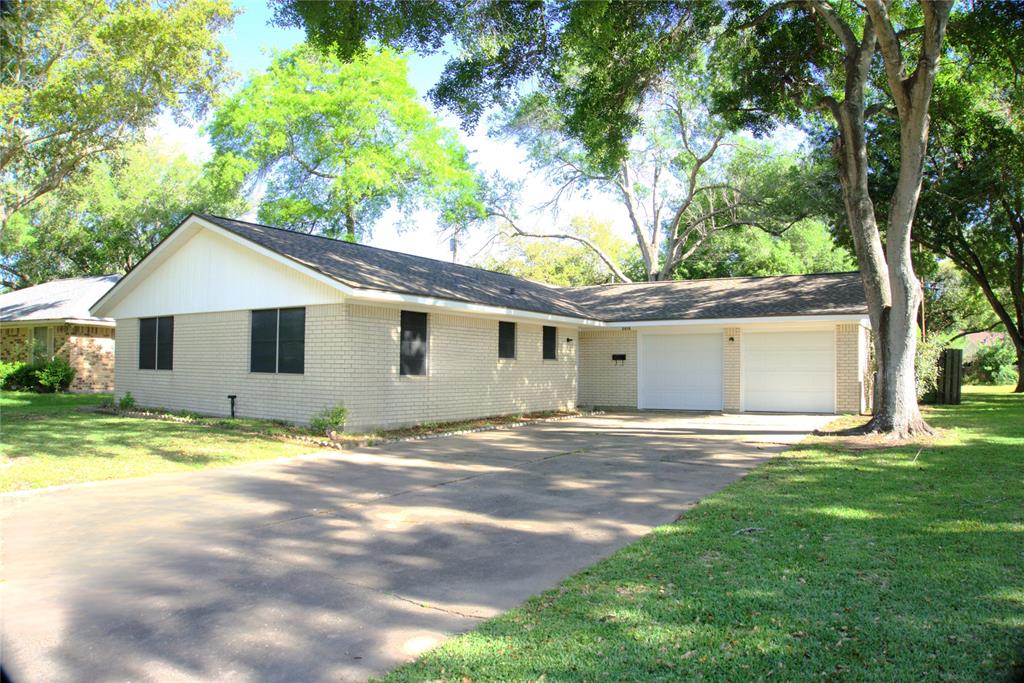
point(734, 297)
point(67, 299)
point(366, 267)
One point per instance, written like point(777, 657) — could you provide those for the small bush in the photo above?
point(6, 370)
point(994, 363)
point(329, 420)
point(56, 375)
point(127, 401)
point(24, 377)
point(926, 366)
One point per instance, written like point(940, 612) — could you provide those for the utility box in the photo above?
point(951, 375)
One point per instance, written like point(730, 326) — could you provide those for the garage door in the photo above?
point(789, 372)
point(681, 371)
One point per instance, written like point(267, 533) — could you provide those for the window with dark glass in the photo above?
point(278, 341)
point(156, 343)
point(550, 335)
point(506, 340)
point(413, 359)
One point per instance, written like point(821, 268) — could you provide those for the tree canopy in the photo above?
point(82, 79)
point(337, 144)
point(110, 216)
point(806, 247)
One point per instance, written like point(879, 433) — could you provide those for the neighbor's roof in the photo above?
point(68, 299)
point(365, 267)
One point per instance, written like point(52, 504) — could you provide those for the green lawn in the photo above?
point(48, 439)
point(869, 567)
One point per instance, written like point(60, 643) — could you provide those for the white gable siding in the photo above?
point(212, 273)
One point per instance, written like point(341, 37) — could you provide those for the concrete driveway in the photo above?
point(339, 566)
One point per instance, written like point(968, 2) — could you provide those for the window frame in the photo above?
point(544, 352)
point(402, 363)
point(161, 322)
point(503, 327)
point(277, 341)
point(47, 349)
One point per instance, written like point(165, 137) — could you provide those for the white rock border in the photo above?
point(341, 446)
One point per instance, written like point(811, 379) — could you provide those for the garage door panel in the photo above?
point(789, 372)
point(681, 371)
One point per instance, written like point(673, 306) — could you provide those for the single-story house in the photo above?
point(290, 323)
point(53, 319)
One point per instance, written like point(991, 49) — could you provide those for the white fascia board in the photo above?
point(464, 307)
point(849, 317)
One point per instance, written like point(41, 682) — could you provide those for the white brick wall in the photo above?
point(851, 368)
point(352, 357)
point(604, 382)
point(732, 370)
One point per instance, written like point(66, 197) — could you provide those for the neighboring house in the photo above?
point(975, 340)
point(53, 319)
point(290, 323)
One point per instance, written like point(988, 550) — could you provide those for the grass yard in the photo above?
point(865, 566)
point(47, 439)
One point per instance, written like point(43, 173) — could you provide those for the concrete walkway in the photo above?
point(343, 565)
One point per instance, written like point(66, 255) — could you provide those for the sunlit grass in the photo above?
point(52, 439)
point(870, 566)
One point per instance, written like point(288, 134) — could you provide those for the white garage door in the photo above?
point(681, 371)
point(789, 372)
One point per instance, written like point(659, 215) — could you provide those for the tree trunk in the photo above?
point(1020, 371)
point(350, 226)
point(851, 156)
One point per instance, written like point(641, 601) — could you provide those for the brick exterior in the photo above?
point(848, 389)
point(89, 349)
point(90, 352)
point(603, 382)
point(352, 357)
point(14, 344)
point(731, 371)
point(851, 368)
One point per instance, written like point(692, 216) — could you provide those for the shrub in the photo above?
point(127, 401)
point(329, 420)
point(24, 377)
point(994, 363)
point(56, 375)
point(6, 370)
point(926, 366)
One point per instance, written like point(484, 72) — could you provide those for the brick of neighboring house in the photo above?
point(89, 349)
point(14, 344)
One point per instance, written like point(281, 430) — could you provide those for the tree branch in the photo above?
point(608, 261)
